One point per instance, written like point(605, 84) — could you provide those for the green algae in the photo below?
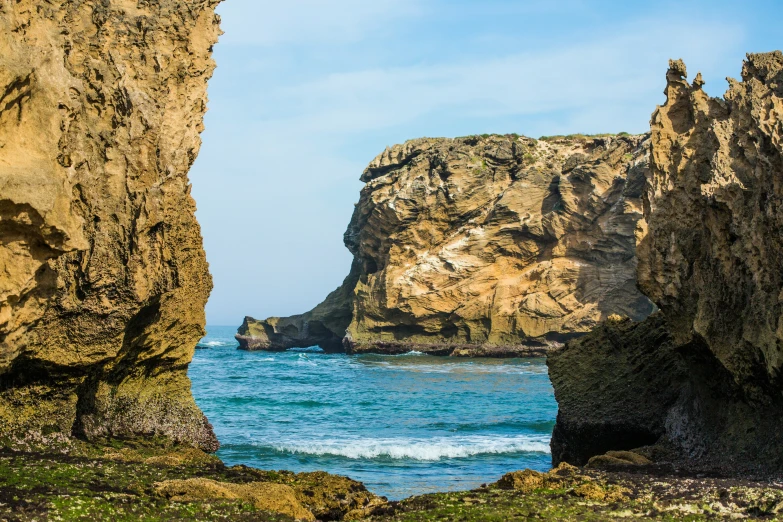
point(116, 481)
point(551, 504)
point(581, 137)
point(569, 493)
point(62, 487)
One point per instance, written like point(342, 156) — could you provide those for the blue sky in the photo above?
point(307, 92)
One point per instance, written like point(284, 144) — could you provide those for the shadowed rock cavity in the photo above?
point(485, 245)
point(702, 377)
point(104, 279)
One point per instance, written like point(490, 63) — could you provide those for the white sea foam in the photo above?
point(468, 368)
point(304, 359)
point(217, 343)
point(310, 349)
point(419, 449)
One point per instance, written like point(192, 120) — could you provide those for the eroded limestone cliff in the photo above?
point(103, 279)
point(702, 377)
point(492, 245)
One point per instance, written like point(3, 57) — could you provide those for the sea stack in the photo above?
point(102, 301)
point(484, 245)
point(700, 380)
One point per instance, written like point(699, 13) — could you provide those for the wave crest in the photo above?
point(419, 449)
point(215, 344)
point(459, 367)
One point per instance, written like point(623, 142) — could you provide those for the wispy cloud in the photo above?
point(308, 91)
point(618, 68)
point(304, 22)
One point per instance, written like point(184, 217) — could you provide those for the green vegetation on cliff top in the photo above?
point(573, 137)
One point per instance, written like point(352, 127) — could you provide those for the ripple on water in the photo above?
point(403, 425)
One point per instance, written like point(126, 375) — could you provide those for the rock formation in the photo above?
point(485, 245)
point(701, 378)
point(103, 279)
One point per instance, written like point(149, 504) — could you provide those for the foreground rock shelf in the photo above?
point(154, 481)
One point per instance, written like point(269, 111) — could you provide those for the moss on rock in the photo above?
point(268, 496)
point(156, 480)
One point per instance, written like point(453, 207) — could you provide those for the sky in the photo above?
point(308, 92)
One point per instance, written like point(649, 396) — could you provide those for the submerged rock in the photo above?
point(702, 378)
point(494, 245)
point(104, 279)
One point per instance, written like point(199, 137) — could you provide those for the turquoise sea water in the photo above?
point(403, 425)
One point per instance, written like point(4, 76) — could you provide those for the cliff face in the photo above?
point(482, 246)
point(712, 259)
point(103, 279)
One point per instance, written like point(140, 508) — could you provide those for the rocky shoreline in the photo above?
point(450, 350)
point(476, 246)
point(252, 339)
point(155, 480)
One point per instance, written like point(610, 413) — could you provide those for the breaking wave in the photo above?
point(460, 368)
point(419, 449)
point(402, 424)
point(216, 344)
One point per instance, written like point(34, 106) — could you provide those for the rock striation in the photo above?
point(103, 279)
point(701, 378)
point(484, 245)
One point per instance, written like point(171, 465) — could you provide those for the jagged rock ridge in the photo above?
point(103, 276)
point(703, 377)
point(493, 245)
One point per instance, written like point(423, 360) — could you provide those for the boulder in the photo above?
point(277, 498)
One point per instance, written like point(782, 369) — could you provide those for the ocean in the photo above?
point(403, 425)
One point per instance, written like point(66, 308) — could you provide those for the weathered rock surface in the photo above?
point(103, 279)
point(145, 483)
point(494, 245)
point(703, 377)
point(155, 479)
point(614, 388)
point(277, 498)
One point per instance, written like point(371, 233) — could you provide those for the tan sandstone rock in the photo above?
point(103, 279)
point(526, 480)
point(268, 496)
point(617, 460)
point(493, 245)
point(563, 477)
point(702, 378)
